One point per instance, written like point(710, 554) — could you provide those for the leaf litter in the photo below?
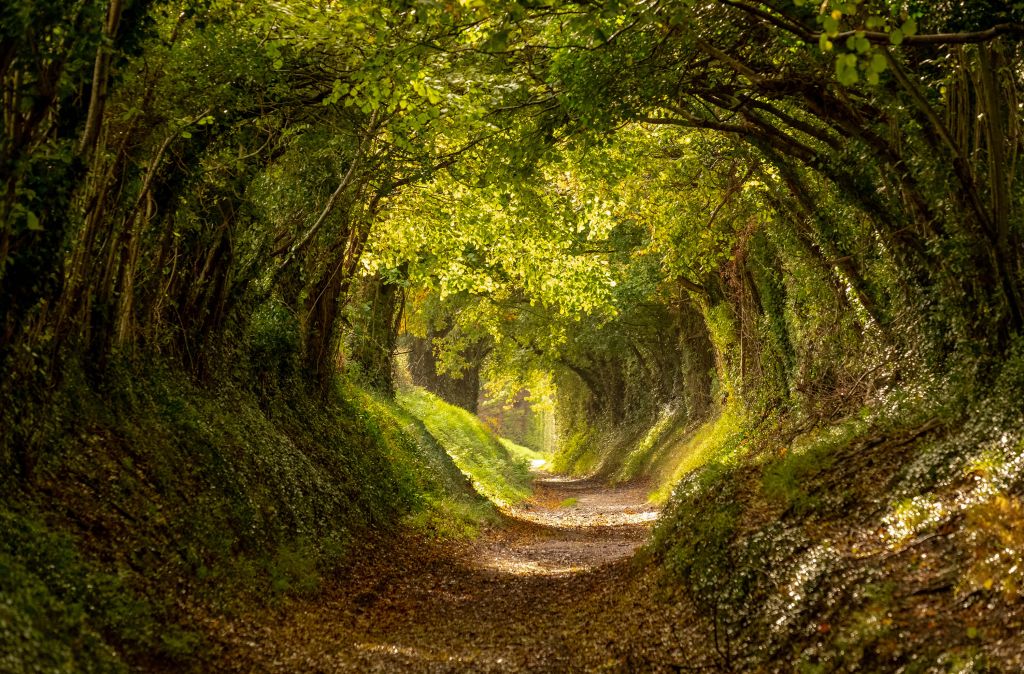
point(553, 589)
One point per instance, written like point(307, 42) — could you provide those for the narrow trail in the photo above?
point(551, 591)
point(569, 526)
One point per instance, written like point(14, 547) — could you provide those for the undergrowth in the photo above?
point(499, 474)
point(149, 499)
point(821, 544)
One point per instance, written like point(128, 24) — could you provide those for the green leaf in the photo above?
point(896, 37)
point(32, 222)
point(496, 42)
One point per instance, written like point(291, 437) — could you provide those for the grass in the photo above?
point(719, 439)
point(599, 450)
point(449, 507)
point(664, 452)
point(523, 454)
point(579, 453)
point(500, 474)
point(786, 478)
point(655, 446)
point(448, 518)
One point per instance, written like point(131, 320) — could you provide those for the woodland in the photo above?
point(511, 335)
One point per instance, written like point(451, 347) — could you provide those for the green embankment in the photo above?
point(150, 500)
point(499, 470)
point(820, 543)
point(524, 454)
point(672, 449)
point(661, 453)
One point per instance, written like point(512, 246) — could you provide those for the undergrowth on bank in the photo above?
point(498, 472)
point(150, 499)
point(821, 545)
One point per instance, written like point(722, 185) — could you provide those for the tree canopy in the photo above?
point(562, 184)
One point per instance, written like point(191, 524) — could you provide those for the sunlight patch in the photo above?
point(408, 651)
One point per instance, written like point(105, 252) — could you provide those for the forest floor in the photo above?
point(552, 590)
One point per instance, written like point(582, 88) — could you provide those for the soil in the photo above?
point(553, 590)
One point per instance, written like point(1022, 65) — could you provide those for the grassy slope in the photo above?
point(597, 450)
point(154, 499)
point(498, 473)
point(522, 453)
point(662, 453)
point(449, 505)
point(888, 540)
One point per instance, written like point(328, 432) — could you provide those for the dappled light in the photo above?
point(588, 504)
point(571, 525)
point(411, 655)
point(505, 336)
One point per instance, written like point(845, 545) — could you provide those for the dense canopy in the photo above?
point(746, 219)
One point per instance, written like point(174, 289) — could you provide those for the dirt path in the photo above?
point(569, 526)
point(550, 592)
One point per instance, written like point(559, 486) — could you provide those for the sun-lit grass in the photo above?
point(579, 453)
point(448, 507)
point(525, 454)
point(718, 438)
point(786, 477)
point(449, 517)
point(654, 446)
point(500, 474)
